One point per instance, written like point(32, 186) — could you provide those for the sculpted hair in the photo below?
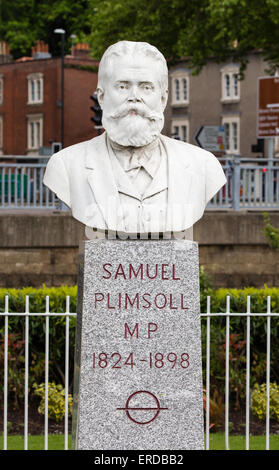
point(132, 48)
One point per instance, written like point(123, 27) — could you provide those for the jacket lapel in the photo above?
point(102, 182)
point(180, 180)
point(103, 185)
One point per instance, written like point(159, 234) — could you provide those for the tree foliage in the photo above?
point(198, 29)
point(23, 22)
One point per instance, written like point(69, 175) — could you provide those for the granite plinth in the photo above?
point(138, 372)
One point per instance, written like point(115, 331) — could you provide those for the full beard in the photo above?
point(133, 126)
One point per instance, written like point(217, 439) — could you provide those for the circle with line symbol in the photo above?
point(142, 407)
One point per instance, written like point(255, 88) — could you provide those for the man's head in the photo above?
point(132, 91)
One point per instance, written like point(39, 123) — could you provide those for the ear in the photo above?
point(164, 98)
point(100, 95)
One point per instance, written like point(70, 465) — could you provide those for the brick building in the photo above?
point(216, 97)
point(30, 99)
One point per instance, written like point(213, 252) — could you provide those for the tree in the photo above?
point(23, 22)
point(198, 29)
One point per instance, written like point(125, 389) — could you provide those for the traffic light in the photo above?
point(55, 147)
point(97, 118)
point(259, 147)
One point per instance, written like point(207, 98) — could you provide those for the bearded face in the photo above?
point(133, 124)
point(132, 101)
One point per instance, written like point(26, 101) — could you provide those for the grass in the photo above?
point(217, 442)
point(16, 442)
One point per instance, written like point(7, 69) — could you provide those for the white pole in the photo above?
point(207, 373)
point(227, 386)
point(67, 372)
point(248, 372)
point(26, 373)
point(6, 374)
point(267, 372)
point(46, 371)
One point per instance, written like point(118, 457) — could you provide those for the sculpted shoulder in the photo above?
point(75, 154)
point(67, 167)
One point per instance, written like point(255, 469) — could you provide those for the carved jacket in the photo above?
point(81, 175)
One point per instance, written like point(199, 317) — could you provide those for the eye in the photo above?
point(122, 86)
point(147, 86)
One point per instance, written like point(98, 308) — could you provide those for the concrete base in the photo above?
point(138, 376)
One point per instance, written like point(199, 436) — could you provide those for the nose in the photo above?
point(134, 96)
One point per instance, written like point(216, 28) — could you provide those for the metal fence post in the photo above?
point(236, 183)
point(62, 206)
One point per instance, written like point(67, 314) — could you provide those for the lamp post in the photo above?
point(62, 33)
point(63, 206)
point(73, 37)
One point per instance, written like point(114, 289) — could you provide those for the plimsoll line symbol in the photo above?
point(128, 408)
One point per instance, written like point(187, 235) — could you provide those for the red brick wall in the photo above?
point(79, 85)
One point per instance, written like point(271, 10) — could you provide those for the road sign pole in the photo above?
point(236, 183)
point(270, 170)
point(270, 150)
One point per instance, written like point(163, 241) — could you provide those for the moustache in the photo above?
point(135, 109)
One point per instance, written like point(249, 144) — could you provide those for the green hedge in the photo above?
point(238, 299)
point(37, 299)
point(57, 299)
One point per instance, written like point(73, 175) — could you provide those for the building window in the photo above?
point(231, 127)
point(180, 88)
point(35, 88)
point(176, 89)
point(180, 129)
point(34, 132)
point(1, 89)
point(230, 83)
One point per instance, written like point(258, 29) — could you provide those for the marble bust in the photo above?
point(132, 178)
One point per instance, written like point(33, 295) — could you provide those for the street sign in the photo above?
point(211, 138)
point(268, 107)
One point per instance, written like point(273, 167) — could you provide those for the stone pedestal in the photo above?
point(138, 375)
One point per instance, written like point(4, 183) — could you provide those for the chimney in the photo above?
point(40, 51)
point(81, 51)
point(5, 56)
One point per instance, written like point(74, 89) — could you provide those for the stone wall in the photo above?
point(234, 250)
point(39, 248)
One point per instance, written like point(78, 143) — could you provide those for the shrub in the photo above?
point(271, 233)
point(56, 400)
point(216, 409)
point(205, 280)
point(16, 325)
point(15, 366)
point(238, 304)
point(259, 401)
